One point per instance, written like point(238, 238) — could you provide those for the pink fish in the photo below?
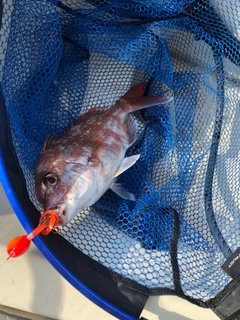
point(75, 169)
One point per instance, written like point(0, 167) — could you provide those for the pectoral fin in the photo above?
point(126, 164)
point(132, 129)
point(121, 192)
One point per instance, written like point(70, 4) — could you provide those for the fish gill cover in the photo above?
point(61, 58)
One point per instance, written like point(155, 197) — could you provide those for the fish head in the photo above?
point(63, 186)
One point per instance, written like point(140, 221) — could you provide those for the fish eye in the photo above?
point(50, 180)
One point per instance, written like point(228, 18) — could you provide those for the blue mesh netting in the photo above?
point(60, 58)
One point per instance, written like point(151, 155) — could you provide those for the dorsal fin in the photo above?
point(52, 138)
point(89, 112)
point(84, 116)
point(48, 142)
point(70, 125)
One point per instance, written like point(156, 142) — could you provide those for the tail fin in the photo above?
point(134, 99)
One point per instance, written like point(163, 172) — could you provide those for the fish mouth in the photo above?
point(62, 218)
point(62, 214)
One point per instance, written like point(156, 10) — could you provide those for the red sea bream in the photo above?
point(75, 169)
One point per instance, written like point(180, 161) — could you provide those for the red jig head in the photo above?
point(19, 245)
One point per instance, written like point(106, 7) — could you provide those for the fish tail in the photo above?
point(134, 99)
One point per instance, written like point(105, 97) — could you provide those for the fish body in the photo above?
point(75, 169)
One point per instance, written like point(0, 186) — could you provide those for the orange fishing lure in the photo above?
point(48, 222)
